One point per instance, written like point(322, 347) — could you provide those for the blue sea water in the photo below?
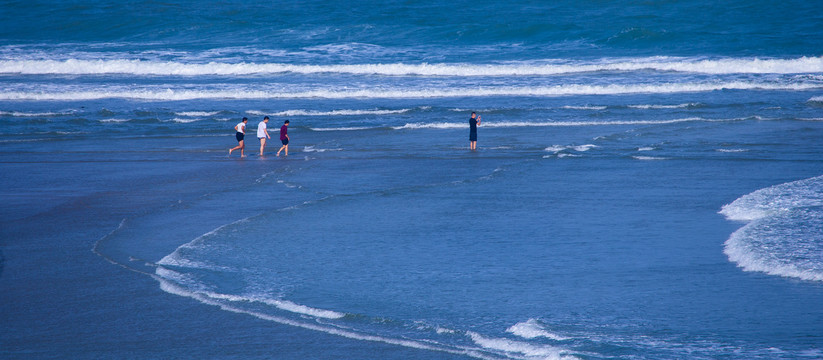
point(648, 182)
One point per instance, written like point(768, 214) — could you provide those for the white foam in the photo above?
point(649, 158)
point(586, 147)
point(339, 112)
point(184, 121)
point(172, 288)
point(556, 148)
point(783, 234)
point(172, 68)
point(646, 148)
point(816, 99)
point(518, 347)
point(114, 120)
point(311, 148)
point(303, 309)
point(32, 114)
point(351, 128)
point(531, 329)
point(169, 94)
point(731, 150)
point(197, 113)
point(678, 106)
point(510, 124)
point(586, 107)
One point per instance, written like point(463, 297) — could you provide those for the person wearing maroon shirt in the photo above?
point(284, 138)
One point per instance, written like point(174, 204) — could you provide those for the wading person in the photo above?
point(473, 123)
point(284, 138)
point(240, 134)
point(263, 134)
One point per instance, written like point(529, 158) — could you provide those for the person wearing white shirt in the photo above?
point(240, 135)
point(263, 133)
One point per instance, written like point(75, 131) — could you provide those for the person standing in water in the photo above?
point(474, 122)
point(284, 138)
point(241, 133)
point(263, 133)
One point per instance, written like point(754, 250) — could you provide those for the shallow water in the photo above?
point(644, 186)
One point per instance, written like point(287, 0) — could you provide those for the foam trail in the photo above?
point(172, 68)
point(538, 91)
point(783, 233)
point(171, 288)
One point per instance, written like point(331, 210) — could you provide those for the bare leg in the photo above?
point(240, 146)
point(287, 150)
point(281, 149)
point(262, 145)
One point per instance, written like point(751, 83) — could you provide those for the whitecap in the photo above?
point(197, 113)
point(649, 158)
point(531, 329)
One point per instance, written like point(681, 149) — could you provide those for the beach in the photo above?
point(642, 187)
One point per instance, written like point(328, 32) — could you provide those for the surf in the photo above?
point(782, 232)
point(532, 68)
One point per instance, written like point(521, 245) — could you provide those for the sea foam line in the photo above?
point(538, 91)
point(171, 68)
point(171, 288)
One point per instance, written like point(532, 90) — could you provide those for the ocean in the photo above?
point(647, 184)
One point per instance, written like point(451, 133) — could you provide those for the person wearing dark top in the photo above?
point(473, 123)
point(284, 138)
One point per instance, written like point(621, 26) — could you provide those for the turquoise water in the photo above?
point(647, 182)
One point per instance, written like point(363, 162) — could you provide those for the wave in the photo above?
point(531, 329)
point(649, 158)
point(782, 235)
point(558, 148)
point(340, 112)
point(731, 150)
point(311, 148)
point(519, 347)
point(184, 121)
point(585, 107)
point(174, 68)
point(510, 124)
point(536, 91)
point(221, 301)
point(816, 99)
point(197, 113)
point(678, 106)
point(33, 114)
point(350, 128)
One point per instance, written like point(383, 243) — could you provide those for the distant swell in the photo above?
point(143, 67)
point(783, 234)
point(394, 93)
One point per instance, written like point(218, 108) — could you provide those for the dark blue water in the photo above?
point(647, 182)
